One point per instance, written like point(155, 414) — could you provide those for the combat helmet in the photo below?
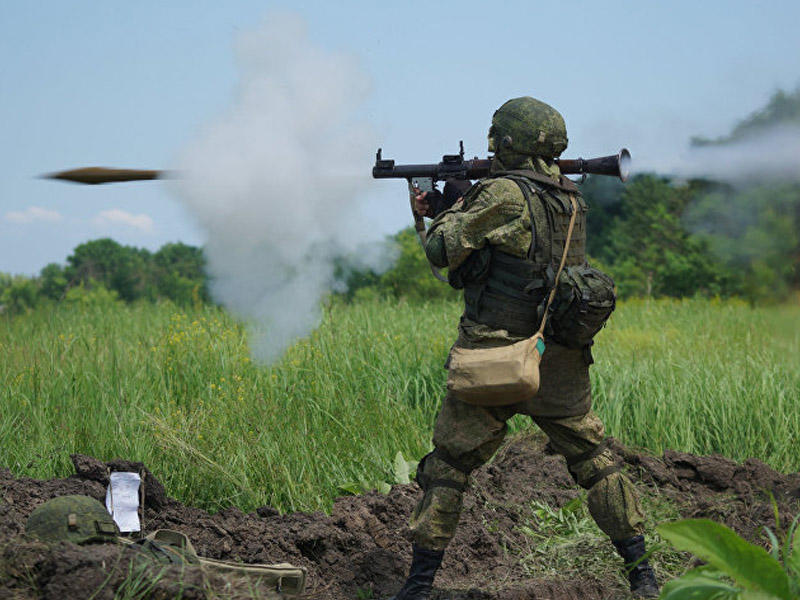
point(76, 519)
point(528, 126)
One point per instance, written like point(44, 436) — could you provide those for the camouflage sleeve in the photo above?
point(493, 211)
point(434, 250)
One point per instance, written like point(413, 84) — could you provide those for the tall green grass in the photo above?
point(704, 377)
point(177, 390)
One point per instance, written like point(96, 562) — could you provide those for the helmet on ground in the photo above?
point(77, 519)
point(528, 126)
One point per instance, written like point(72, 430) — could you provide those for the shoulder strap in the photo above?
point(561, 265)
point(527, 193)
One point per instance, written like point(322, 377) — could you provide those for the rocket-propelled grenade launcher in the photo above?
point(95, 175)
point(421, 178)
point(454, 166)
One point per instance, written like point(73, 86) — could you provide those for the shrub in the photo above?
point(95, 294)
point(735, 568)
point(21, 295)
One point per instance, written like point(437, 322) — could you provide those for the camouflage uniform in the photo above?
point(503, 244)
point(495, 214)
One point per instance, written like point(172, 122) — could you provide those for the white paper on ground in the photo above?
point(122, 500)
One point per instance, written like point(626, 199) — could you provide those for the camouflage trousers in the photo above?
point(466, 436)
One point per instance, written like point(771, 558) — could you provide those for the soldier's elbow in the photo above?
point(435, 251)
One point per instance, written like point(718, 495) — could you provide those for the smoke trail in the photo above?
point(772, 154)
point(751, 222)
point(276, 182)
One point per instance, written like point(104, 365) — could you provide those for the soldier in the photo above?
point(503, 244)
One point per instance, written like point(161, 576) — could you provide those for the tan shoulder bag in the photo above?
point(506, 374)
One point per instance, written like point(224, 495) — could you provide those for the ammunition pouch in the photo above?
point(473, 271)
point(585, 298)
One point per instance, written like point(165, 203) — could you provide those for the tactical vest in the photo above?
point(510, 293)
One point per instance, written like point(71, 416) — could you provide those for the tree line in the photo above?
point(654, 236)
point(663, 238)
point(657, 239)
point(104, 270)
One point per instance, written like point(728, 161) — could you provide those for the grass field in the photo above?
point(176, 389)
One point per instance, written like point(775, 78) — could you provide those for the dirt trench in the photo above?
point(362, 549)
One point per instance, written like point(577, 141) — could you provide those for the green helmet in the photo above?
point(77, 519)
point(528, 126)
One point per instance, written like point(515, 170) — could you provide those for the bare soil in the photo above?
point(362, 549)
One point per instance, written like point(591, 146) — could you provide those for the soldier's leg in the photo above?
point(612, 498)
point(465, 437)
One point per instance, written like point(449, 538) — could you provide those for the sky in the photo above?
point(133, 84)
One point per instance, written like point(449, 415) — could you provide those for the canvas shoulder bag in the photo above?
point(506, 374)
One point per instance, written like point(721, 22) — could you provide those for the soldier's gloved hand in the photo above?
point(421, 205)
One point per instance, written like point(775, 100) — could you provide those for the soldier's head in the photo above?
point(528, 127)
point(76, 519)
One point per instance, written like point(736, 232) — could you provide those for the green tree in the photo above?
point(53, 281)
point(178, 273)
point(20, 296)
point(5, 281)
point(756, 233)
point(411, 274)
point(604, 197)
point(122, 269)
point(754, 230)
point(649, 250)
point(782, 109)
point(93, 295)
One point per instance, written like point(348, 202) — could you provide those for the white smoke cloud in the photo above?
point(277, 182)
point(116, 216)
point(773, 154)
point(33, 214)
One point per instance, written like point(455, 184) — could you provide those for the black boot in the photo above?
point(642, 577)
point(424, 564)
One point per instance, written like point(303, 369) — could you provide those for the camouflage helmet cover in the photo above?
point(77, 519)
point(528, 126)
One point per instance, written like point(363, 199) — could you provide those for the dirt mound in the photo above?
point(102, 571)
point(362, 548)
point(718, 488)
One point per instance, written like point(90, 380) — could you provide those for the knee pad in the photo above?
point(439, 469)
point(603, 464)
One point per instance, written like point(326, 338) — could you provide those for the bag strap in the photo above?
point(514, 176)
point(552, 295)
point(563, 183)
